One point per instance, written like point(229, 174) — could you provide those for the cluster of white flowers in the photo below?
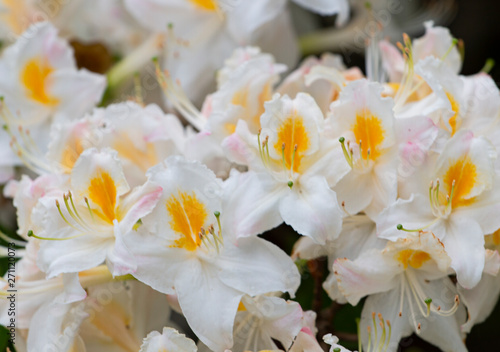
point(128, 216)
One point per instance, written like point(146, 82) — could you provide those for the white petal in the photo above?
point(251, 204)
point(311, 208)
point(370, 273)
point(255, 266)
point(208, 304)
point(328, 7)
point(169, 340)
point(464, 243)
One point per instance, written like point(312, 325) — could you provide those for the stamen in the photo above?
point(90, 209)
point(347, 155)
point(283, 156)
point(31, 234)
point(178, 98)
point(63, 217)
point(454, 42)
point(428, 303)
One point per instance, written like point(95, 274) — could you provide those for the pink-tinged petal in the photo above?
point(437, 42)
point(372, 272)
point(392, 60)
point(242, 147)
point(208, 304)
point(464, 243)
point(311, 208)
point(251, 204)
point(255, 266)
point(139, 203)
point(306, 343)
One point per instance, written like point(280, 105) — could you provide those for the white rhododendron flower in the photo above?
point(86, 226)
point(458, 205)
point(195, 195)
point(183, 247)
point(405, 282)
point(292, 165)
point(364, 121)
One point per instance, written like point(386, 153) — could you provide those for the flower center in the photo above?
point(369, 134)
point(293, 141)
point(102, 191)
point(34, 77)
point(463, 174)
point(413, 258)
point(188, 215)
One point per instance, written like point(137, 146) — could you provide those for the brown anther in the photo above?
point(283, 146)
point(373, 315)
point(295, 147)
point(388, 323)
point(400, 314)
point(419, 326)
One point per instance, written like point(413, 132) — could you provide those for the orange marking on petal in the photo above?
point(241, 307)
point(113, 321)
point(102, 191)
point(413, 258)
point(34, 76)
point(368, 129)
point(292, 133)
point(210, 5)
point(144, 159)
point(71, 153)
point(454, 121)
point(464, 172)
point(188, 215)
point(496, 237)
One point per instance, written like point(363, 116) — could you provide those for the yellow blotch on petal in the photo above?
point(368, 129)
point(71, 153)
point(464, 172)
point(33, 77)
point(454, 121)
point(113, 321)
point(102, 191)
point(209, 5)
point(126, 148)
point(293, 134)
point(241, 307)
point(241, 98)
point(413, 258)
point(188, 215)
